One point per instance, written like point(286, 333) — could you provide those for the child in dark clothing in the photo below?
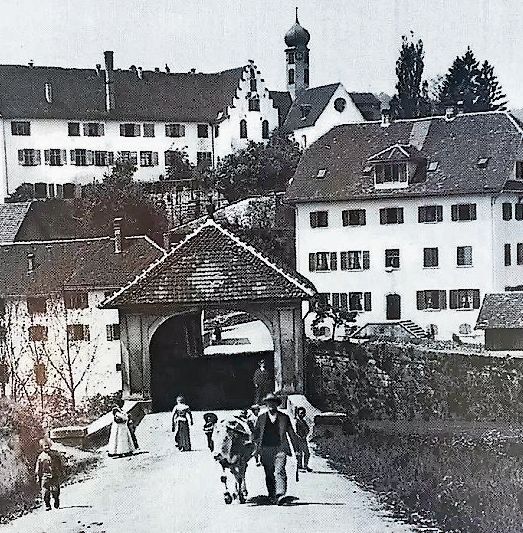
point(302, 430)
point(210, 420)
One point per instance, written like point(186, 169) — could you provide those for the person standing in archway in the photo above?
point(263, 384)
point(181, 415)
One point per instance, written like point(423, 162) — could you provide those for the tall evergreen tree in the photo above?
point(408, 102)
point(490, 93)
point(477, 87)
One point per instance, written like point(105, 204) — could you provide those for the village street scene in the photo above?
point(261, 266)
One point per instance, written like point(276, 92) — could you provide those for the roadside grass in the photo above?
point(460, 477)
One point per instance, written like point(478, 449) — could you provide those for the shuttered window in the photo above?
point(355, 260)
point(463, 212)
point(20, 128)
point(464, 299)
point(392, 258)
point(507, 211)
point(319, 219)
point(518, 212)
point(507, 254)
point(148, 159)
point(464, 255)
point(323, 261)
point(430, 257)
point(353, 217)
point(391, 215)
point(37, 333)
point(431, 300)
point(29, 157)
point(148, 130)
point(519, 253)
point(203, 131)
point(78, 332)
point(430, 213)
point(130, 130)
point(174, 130)
point(113, 332)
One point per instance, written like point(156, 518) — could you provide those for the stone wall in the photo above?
point(400, 381)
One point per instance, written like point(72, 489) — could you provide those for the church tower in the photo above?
point(297, 58)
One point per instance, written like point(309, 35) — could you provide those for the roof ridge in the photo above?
point(58, 241)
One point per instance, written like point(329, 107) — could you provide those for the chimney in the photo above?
point(449, 112)
point(386, 119)
point(109, 80)
point(460, 107)
point(140, 73)
point(193, 71)
point(98, 69)
point(49, 93)
point(117, 226)
point(166, 241)
point(156, 69)
point(30, 263)
point(31, 63)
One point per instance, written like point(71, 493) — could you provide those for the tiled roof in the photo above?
point(282, 102)
point(212, 265)
point(456, 145)
point(71, 264)
point(502, 310)
point(80, 93)
point(11, 218)
point(318, 98)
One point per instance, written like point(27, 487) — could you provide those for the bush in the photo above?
point(461, 480)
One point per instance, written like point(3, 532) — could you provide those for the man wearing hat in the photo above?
point(271, 434)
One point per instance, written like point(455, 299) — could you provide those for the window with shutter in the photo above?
point(312, 262)
point(333, 261)
point(37, 333)
point(89, 157)
point(392, 258)
point(475, 299)
point(353, 217)
point(507, 211)
point(202, 131)
point(420, 300)
point(519, 253)
point(335, 300)
point(319, 219)
point(243, 129)
point(20, 128)
point(122, 130)
point(453, 299)
point(51, 191)
point(47, 157)
point(507, 254)
point(518, 212)
point(63, 157)
point(148, 130)
point(443, 299)
point(20, 157)
point(86, 129)
point(430, 213)
point(464, 255)
point(36, 305)
point(344, 301)
point(430, 257)
point(463, 212)
point(59, 190)
point(137, 129)
point(367, 301)
point(73, 129)
point(155, 158)
point(366, 260)
point(355, 301)
point(313, 219)
point(391, 215)
point(37, 157)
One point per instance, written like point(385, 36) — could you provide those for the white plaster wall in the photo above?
point(229, 138)
point(410, 237)
point(102, 377)
point(47, 134)
point(510, 232)
point(330, 118)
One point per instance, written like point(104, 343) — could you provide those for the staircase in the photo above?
point(414, 329)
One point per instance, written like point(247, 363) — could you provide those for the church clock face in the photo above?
point(299, 55)
point(340, 104)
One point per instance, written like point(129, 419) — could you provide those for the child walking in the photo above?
point(302, 430)
point(210, 420)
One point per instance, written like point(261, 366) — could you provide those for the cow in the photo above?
point(233, 448)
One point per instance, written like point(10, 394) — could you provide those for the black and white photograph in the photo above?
point(261, 266)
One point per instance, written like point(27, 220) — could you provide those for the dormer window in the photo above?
point(432, 166)
point(321, 173)
point(385, 173)
point(483, 162)
point(305, 110)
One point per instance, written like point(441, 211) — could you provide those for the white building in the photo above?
point(49, 293)
point(308, 113)
point(65, 126)
point(413, 220)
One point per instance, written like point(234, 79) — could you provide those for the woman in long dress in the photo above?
point(120, 440)
point(181, 415)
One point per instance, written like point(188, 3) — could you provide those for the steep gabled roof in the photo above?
point(502, 310)
point(282, 101)
point(80, 93)
point(73, 264)
point(11, 219)
point(211, 265)
point(368, 105)
point(316, 98)
point(457, 145)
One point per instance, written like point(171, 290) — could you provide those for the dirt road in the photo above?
point(164, 490)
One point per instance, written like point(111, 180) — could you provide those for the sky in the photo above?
point(353, 41)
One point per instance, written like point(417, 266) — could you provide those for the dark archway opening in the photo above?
point(209, 373)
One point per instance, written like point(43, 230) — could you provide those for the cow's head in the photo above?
point(230, 441)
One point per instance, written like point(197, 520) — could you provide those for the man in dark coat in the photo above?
point(48, 473)
point(271, 435)
point(262, 382)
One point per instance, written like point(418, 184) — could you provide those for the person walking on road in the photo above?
point(49, 472)
point(262, 382)
point(302, 430)
point(181, 415)
point(120, 439)
point(271, 434)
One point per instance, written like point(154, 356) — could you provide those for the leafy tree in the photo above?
point(23, 193)
point(336, 315)
point(257, 169)
point(120, 196)
point(180, 167)
point(411, 99)
point(477, 87)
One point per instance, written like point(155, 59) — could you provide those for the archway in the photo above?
point(212, 368)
